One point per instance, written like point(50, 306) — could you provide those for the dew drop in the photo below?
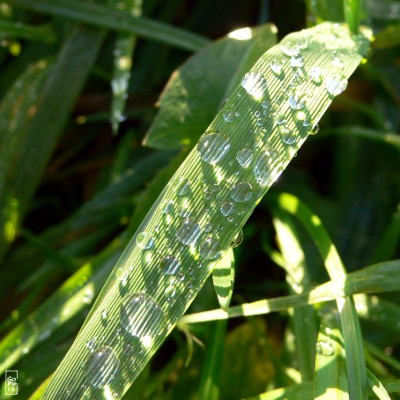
point(104, 315)
point(244, 157)
point(170, 265)
point(167, 207)
point(237, 240)
point(287, 135)
point(276, 67)
point(212, 147)
point(315, 129)
point(227, 208)
point(183, 187)
point(242, 192)
point(315, 74)
point(229, 115)
point(335, 83)
point(144, 240)
point(209, 248)
point(264, 168)
point(170, 292)
point(101, 367)
point(254, 84)
point(280, 119)
point(142, 317)
point(188, 232)
point(297, 61)
point(91, 345)
point(324, 348)
point(296, 101)
point(290, 48)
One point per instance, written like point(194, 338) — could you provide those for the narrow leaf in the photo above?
point(223, 278)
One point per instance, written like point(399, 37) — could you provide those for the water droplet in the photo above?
point(170, 265)
point(237, 240)
point(229, 115)
point(167, 207)
point(170, 292)
point(315, 74)
point(242, 192)
point(287, 135)
point(212, 147)
point(122, 274)
point(183, 187)
point(144, 240)
point(337, 60)
point(208, 227)
point(264, 170)
point(315, 129)
point(276, 66)
point(297, 61)
point(188, 232)
point(290, 48)
point(335, 83)
point(104, 315)
point(209, 248)
point(244, 157)
point(227, 208)
point(296, 101)
point(254, 84)
point(101, 367)
point(142, 317)
point(91, 345)
point(324, 348)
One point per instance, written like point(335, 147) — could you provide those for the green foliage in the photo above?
point(106, 242)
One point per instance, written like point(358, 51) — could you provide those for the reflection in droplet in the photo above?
point(264, 169)
point(227, 208)
point(254, 84)
point(170, 265)
point(144, 240)
point(212, 147)
point(209, 248)
point(244, 157)
point(101, 367)
point(242, 192)
point(188, 232)
point(229, 115)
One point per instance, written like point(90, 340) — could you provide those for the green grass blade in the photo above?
point(377, 387)
point(197, 89)
point(172, 244)
point(39, 129)
point(107, 17)
point(304, 326)
point(123, 54)
point(223, 277)
point(352, 13)
point(355, 362)
point(43, 33)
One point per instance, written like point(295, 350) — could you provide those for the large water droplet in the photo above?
point(144, 240)
point(227, 208)
point(244, 157)
point(324, 348)
point(212, 147)
point(254, 84)
point(335, 83)
point(209, 248)
point(101, 367)
point(242, 192)
point(188, 232)
point(264, 169)
point(142, 317)
point(170, 265)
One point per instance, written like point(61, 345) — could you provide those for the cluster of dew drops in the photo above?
point(141, 317)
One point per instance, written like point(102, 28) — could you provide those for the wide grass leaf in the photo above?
point(174, 250)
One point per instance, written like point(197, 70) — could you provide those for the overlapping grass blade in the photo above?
point(27, 142)
point(17, 30)
point(223, 277)
point(107, 17)
point(172, 251)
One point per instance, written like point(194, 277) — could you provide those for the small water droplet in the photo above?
point(213, 147)
point(337, 60)
point(315, 129)
point(296, 101)
point(142, 317)
point(227, 208)
point(287, 135)
point(254, 84)
point(335, 83)
point(297, 61)
point(188, 232)
point(91, 345)
point(281, 119)
point(315, 74)
point(324, 348)
point(170, 292)
point(229, 115)
point(209, 248)
point(237, 240)
point(290, 48)
point(104, 315)
point(170, 265)
point(122, 274)
point(167, 207)
point(144, 240)
point(276, 66)
point(264, 170)
point(242, 192)
point(244, 157)
point(101, 367)
point(183, 187)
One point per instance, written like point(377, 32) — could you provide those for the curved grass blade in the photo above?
point(223, 277)
point(377, 387)
point(106, 17)
point(173, 252)
point(195, 92)
point(355, 362)
point(39, 128)
point(304, 326)
point(123, 53)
